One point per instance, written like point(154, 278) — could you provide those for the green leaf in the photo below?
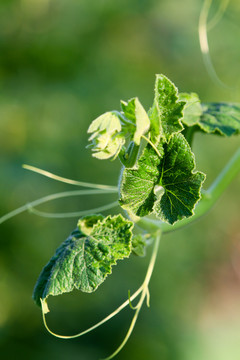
point(180, 181)
point(168, 185)
point(192, 109)
point(167, 110)
point(106, 138)
point(139, 245)
point(86, 223)
point(220, 118)
point(137, 184)
point(134, 111)
point(84, 260)
point(108, 122)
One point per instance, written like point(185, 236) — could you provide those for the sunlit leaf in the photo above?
point(166, 112)
point(137, 184)
point(192, 109)
point(167, 186)
point(85, 259)
point(106, 139)
point(134, 111)
point(180, 182)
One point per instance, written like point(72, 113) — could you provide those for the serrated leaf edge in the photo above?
point(193, 171)
point(43, 300)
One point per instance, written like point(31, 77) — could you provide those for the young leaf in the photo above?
point(86, 223)
point(167, 110)
point(84, 260)
point(192, 109)
point(139, 244)
point(134, 111)
point(221, 118)
point(167, 186)
point(106, 138)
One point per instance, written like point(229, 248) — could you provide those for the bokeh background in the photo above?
point(63, 63)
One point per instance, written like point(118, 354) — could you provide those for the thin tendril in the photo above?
point(143, 290)
point(50, 198)
point(148, 297)
point(115, 312)
point(130, 330)
point(203, 39)
point(144, 294)
point(130, 303)
point(153, 146)
point(219, 14)
point(67, 181)
point(72, 214)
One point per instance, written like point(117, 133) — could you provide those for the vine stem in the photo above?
point(144, 294)
point(143, 290)
point(51, 197)
point(73, 214)
point(209, 198)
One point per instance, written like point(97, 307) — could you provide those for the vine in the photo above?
point(159, 189)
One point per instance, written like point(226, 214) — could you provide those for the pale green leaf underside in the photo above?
point(192, 109)
point(107, 147)
point(167, 111)
point(167, 186)
point(108, 122)
point(83, 261)
point(106, 139)
point(135, 112)
point(220, 118)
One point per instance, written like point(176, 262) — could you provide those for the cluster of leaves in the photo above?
point(163, 180)
point(159, 178)
point(111, 130)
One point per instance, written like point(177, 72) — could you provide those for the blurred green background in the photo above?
point(63, 63)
